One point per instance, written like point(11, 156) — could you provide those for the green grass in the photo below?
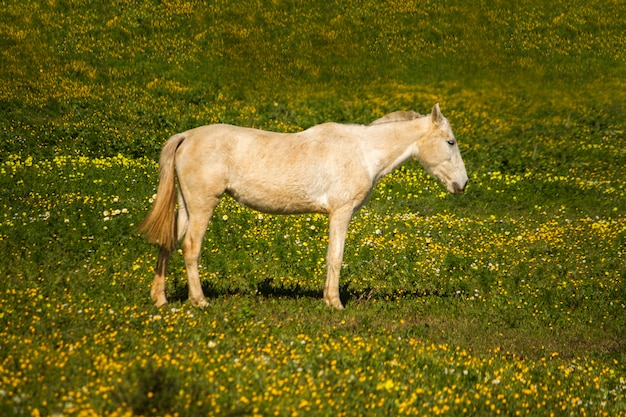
point(508, 300)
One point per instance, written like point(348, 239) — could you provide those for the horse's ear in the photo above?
point(436, 115)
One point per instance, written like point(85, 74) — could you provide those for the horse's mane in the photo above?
point(396, 116)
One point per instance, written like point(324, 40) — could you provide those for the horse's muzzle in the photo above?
point(459, 189)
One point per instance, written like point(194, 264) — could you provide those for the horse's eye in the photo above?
point(451, 142)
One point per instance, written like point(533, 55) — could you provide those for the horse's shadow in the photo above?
point(265, 288)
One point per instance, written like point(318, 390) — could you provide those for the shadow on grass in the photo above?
point(267, 288)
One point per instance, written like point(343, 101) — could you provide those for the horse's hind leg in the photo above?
point(158, 284)
point(199, 217)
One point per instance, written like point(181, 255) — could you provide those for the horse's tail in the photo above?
point(159, 225)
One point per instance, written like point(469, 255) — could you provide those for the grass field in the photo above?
point(507, 300)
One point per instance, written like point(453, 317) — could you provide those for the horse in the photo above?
point(330, 168)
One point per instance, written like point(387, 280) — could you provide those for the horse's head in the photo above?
point(439, 153)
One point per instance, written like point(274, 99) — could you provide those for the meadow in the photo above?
point(507, 300)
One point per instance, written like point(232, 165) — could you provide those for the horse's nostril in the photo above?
point(458, 189)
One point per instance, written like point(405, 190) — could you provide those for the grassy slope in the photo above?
point(512, 294)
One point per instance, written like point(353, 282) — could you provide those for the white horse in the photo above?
point(330, 168)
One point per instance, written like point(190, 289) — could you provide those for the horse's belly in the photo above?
point(279, 199)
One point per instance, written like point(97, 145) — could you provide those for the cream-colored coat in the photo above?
point(330, 168)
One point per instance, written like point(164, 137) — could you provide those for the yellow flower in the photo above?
point(387, 385)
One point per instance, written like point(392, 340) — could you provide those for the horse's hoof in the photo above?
point(200, 303)
point(336, 304)
point(159, 301)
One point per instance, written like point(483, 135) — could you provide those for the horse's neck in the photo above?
point(390, 145)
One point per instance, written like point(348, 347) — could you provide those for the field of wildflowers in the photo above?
point(508, 300)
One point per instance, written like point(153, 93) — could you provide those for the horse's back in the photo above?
point(320, 143)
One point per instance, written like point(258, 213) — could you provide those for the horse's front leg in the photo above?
point(338, 228)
